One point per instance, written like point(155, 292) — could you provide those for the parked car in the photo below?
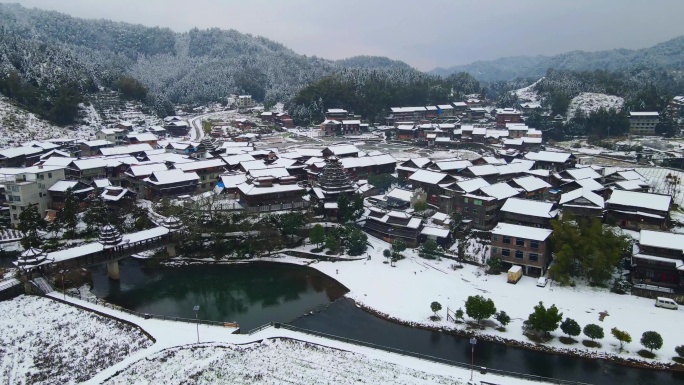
point(542, 281)
point(667, 303)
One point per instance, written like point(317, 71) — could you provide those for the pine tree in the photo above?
point(68, 217)
point(317, 235)
point(30, 222)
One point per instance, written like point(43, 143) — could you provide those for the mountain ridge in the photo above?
point(668, 54)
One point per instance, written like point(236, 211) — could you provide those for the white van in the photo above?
point(667, 303)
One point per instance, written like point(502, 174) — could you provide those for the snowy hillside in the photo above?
point(18, 126)
point(46, 342)
point(528, 94)
point(590, 101)
point(270, 362)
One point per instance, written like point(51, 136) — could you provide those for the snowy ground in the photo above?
point(374, 284)
point(175, 358)
point(18, 126)
point(270, 362)
point(528, 93)
point(46, 342)
point(590, 101)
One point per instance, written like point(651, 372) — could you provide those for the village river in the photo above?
point(255, 294)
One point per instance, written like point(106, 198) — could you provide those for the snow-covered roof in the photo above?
point(639, 199)
point(531, 183)
point(401, 194)
point(93, 143)
point(63, 185)
point(427, 176)
point(251, 189)
point(435, 232)
point(75, 252)
point(236, 159)
point(582, 193)
point(146, 169)
point(548, 156)
point(114, 193)
point(102, 183)
point(631, 184)
point(336, 111)
point(589, 183)
point(228, 144)
point(582, 173)
point(343, 149)
point(494, 161)
point(232, 180)
point(631, 175)
point(529, 207)
point(200, 164)
point(352, 121)
point(526, 232)
point(453, 165)
point(276, 172)
point(420, 162)
point(678, 263)
point(500, 190)
point(169, 157)
point(250, 164)
point(171, 176)
point(485, 169)
point(144, 234)
point(143, 137)
point(121, 150)
point(644, 114)
point(661, 239)
point(471, 185)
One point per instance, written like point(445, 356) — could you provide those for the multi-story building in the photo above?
point(636, 210)
point(643, 123)
point(29, 186)
point(660, 260)
point(508, 115)
point(527, 212)
point(113, 135)
point(170, 183)
point(207, 170)
point(522, 245)
point(244, 101)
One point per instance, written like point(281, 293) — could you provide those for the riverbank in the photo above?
point(390, 293)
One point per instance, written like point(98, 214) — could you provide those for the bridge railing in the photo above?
point(100, 302)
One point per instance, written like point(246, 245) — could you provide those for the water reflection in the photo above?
point(251, 294)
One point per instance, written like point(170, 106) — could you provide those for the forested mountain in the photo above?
point(371, 92)
point(194, 67)
point(669, 54)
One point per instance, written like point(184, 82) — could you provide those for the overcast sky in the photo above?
point(423, 33)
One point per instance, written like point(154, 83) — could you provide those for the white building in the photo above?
point(28, 186)
point(643, 123)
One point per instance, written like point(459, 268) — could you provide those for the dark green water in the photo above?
point(255, 294)
point(250, 294)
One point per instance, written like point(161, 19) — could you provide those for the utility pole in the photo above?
point(196, 309)
point(473, 341)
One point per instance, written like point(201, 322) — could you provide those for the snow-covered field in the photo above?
point(528, 93)
point(280, 361)
point(18, 126)
point(46, 342)
point(590, 101)
point(374, 284)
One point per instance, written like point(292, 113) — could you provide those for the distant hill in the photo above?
point(198, 66)
point(667, 55)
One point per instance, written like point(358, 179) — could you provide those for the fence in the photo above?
point(462, 365)
point(100, 302)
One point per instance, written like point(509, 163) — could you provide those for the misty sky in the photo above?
point(425, 34)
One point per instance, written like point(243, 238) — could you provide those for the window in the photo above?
point(519, 242)
point(474, 211)
point(477, 202)
point(495, 250)
point(534, 244)
point(14, 207)
point(506, 252)
point(465, 209)
point(518, 254)
point(465, 200)
point(41, 176)
point(534, 257)
point(50, 175)
point(495, 237)
point(14, 216)
point(16, 198)
point(507, 240)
